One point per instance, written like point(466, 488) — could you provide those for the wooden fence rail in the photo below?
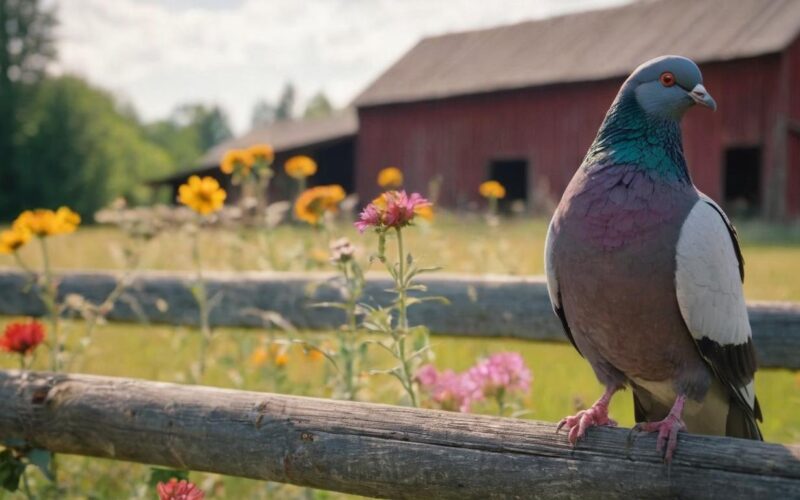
point(375, 450)
point(492, 306)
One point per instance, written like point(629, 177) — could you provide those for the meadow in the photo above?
point(562, 380)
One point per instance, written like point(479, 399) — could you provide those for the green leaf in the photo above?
point(164, 475)
point(334, 305)
point(11, 469)
point(42, 459)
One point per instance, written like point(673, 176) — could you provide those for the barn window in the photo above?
point(513, 175)
point(742, 180)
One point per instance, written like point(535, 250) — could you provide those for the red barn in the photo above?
point(522, 103)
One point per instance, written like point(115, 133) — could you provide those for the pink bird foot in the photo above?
point(596, 415)
point(667, 429)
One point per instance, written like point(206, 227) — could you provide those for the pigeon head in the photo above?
point(668, 86)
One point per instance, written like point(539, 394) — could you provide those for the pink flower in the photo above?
point(179, 490)
point(504, 371)
point(394, 209)
point(447, 389)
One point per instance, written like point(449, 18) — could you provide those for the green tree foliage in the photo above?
point(78, 149)
point(318, 106)
point(26, 46)
point(263, 114)
point(285, 108)
point(190, 131)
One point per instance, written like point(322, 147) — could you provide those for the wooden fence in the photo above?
point(479, 305)
point(375, 450)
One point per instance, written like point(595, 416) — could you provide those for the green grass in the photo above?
point(562, 380)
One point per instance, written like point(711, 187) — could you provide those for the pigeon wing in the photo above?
point(708, 281)
point(553, 289)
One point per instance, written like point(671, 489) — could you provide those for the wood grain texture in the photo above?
point(483, 306)
point(374, 450)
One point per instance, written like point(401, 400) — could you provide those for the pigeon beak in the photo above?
point(700, 95)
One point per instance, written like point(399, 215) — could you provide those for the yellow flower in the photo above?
point(312, 203)
point(492, 189)
point(300, 167)
point(424, 211)
point(237, 160)
point(43, 222)
point(12, 239)
point(259, 357)
point(314, 354)
point(261, 152)
point(204, 196)
point(390, 177)
point(282, 359)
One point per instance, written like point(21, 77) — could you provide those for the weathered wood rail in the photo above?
point(480, 305)
point(375, 450)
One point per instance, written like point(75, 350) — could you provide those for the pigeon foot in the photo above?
point(578, 424)
point(667, 429)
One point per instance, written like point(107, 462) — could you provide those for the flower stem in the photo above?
point(49, 297)
point(402, 320)
point(201, 297)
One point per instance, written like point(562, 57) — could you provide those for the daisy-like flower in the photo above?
point(13, 239)
point(239, 161)
point(394, 209)
point(503, 371)
point(179, 490)
point(22, 338)
point(300, 167)
point(43, 222)
point(390, 177)
point(204, 196)
point(312, 203)
point(492, 189)
point(342, 250)
point(261, 153)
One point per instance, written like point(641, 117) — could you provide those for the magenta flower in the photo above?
point(503, 371)
point(448, 390)
point(394, 209)
point(179, 490)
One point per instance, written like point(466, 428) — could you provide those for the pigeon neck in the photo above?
point(629, 136)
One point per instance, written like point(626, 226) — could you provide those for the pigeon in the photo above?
point(645, 271)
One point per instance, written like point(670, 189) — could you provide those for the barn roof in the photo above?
point(289, 135)
point(587, 46)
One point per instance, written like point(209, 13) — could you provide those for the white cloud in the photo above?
point(159, 53)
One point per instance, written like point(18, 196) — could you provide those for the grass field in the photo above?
point(562, 380)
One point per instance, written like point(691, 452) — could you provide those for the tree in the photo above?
point(263, 114)
point(79, 150)
point(211, 123)
point(285, 108)
point(26, 46)
point(318, 106)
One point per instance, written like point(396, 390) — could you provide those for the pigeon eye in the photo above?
point(667, 79)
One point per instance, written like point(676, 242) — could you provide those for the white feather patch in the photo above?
point(707, 279)
point(550, 271)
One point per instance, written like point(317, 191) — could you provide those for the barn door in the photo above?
point(742, 180)
point(513, 175)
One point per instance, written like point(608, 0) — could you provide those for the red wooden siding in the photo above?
point(552, 127)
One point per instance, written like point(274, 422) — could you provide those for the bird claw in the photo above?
point(578, 424)
point(668, 430)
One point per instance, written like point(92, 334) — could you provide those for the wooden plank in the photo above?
point(375, 450)
point(489, 306)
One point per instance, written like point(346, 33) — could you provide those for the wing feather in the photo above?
point(708, 281)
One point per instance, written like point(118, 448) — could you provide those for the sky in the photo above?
point(156, 54)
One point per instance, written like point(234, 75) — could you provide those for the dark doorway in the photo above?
point(336, 165)
point(513, 175)
point(742, 180)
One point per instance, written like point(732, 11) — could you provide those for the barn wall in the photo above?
point(552, 127)
point(793, 173)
